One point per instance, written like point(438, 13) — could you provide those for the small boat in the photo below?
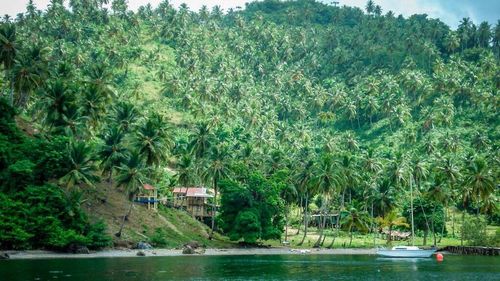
point(405, 252)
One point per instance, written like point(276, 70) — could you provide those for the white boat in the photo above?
point(405, 252)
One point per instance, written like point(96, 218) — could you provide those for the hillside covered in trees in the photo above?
point(281, 106)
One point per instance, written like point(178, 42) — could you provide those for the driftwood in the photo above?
point(470, 250)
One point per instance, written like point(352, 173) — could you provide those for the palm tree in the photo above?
point(57, 99)
point(112, 153)
point(304, 179)
point(391, 220)
point(81, 165)
point(325, 180)
point(152, 142)
point(125, 115)
point(479, 177)
point(201, 140)
point(217, 168)
point(354, 218)
point(132, 175)
point(289, 196)
point(8, 51)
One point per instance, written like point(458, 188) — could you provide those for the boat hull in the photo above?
point(405, 253)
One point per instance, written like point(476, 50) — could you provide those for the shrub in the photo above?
point(158, 239)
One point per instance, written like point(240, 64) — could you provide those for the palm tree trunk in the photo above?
point(119, 233)
point(336, 233)
point(444, 223)
point(214, 208)
point(427, 229)
point(412, 221)
point(299, 214)
point(462, 230)
point(286, 224)
point(350, 235)
point(305, 221)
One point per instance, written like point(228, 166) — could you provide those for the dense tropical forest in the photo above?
point(287, 109)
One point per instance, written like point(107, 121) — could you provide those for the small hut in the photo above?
point(194, 200)
point(149, 196)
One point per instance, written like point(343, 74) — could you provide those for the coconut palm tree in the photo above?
point(217, 168)
point(8, 51)
point(353, 218)
point(201, 140)
point(132, 175)
point(112, 153)
point(81, 165)
point(326, 181)
point(305, 187)
point(289, 195)
point(152, 141)
point(125, 116)
point(391, 220)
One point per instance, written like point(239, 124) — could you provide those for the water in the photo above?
point(283, 267)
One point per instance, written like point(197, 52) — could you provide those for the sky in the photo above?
point(449, 11)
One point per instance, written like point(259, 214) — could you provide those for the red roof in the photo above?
point(192, 191)
point(149, 187)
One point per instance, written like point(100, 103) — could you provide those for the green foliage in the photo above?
point(354, 106)
point(158, 239)
point(474, 230)
point(251, 210)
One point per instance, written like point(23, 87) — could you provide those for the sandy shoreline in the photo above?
point(38, 254)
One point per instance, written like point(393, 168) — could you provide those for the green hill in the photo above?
point(327, 109)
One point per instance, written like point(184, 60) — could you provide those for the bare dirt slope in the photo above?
point(176, 227)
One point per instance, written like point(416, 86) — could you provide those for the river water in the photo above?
point(272, 267)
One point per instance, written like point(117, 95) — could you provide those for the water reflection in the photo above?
point(286, 267)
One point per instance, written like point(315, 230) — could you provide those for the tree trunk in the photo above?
point(119, 233)
point(286, 224)
point(305, 222)
point(336, 231)
point(350, 235)
point(214, 209)
point(320, 228)
point(463, 229)
point(432, 226)
point(425, 236)
point(444, 224)
point(299, 214)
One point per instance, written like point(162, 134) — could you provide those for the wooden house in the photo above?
point(194, 200)
point(148, 196)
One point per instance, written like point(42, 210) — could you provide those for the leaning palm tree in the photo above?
point(132, 175)
point(81, 163)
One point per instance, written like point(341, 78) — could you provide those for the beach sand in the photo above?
point(38, 254)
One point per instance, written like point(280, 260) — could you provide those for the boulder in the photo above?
point(199, 251)
point(144, 246)
point(193, 244)
point(141, 254)
point(188, 250)
point(78, 249)
point(4, 256)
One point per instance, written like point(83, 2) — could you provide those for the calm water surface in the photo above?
point(285, 267)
